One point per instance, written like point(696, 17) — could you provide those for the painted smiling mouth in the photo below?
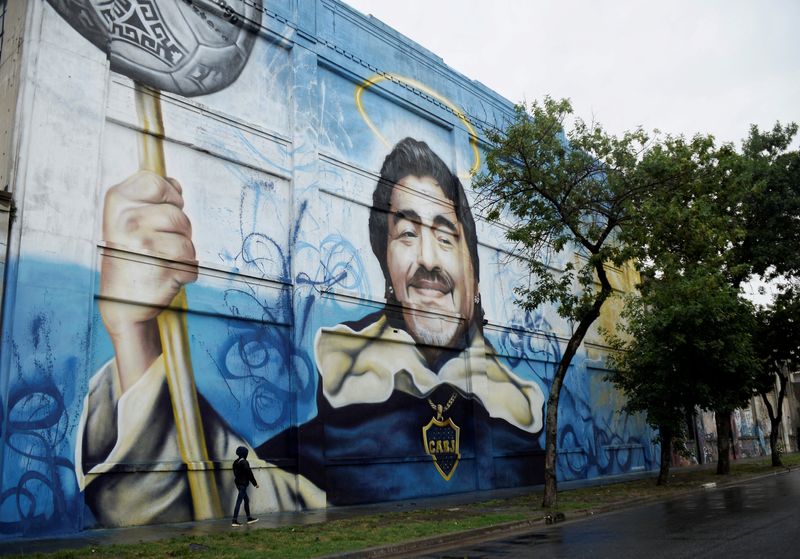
point(431, 285)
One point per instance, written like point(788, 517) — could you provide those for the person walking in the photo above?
point(243, 477)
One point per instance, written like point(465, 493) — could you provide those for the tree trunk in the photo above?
point(551, 422)
point(666, 455)
point(775, 415)
point(773, 443)
point(723, 421)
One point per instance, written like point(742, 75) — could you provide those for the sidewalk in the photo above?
point(443, 542)
point(133, 535)
point(153, 532)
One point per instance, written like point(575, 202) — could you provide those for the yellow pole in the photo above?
point(175, 337)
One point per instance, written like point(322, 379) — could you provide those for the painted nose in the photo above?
point(428, 256)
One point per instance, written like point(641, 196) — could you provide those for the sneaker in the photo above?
point(236, 523)
point(251, 520)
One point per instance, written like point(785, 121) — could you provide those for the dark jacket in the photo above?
point(242, 473)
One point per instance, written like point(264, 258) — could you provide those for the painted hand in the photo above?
point(149, 257)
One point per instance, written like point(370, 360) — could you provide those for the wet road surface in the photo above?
point(756, 519)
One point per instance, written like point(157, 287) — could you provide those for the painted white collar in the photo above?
point(366, 366)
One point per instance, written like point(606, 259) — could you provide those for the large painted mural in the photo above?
point(247, 224)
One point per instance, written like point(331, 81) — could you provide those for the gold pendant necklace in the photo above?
point(441, 439)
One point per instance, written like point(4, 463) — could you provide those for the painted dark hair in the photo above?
point(412, 157)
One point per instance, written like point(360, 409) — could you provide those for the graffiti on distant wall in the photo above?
point(346, 347)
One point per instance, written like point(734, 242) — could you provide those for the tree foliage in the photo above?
point(687, 223)
point(778, 333)
point(726, 209)
point(769, 173)
point(684, 343)
point(648, 380)
point(698, 219)
point(709, 227)
point(559, 188)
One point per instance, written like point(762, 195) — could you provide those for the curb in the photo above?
point(478, 535)
point(443, 541)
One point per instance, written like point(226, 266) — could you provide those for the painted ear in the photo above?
point(172, 46)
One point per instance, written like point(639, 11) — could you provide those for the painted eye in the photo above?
point(445, 240)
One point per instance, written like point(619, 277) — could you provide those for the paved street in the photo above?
point(757, 519)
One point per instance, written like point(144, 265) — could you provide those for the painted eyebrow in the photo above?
point(441, 221)
point(409, 215)
point(438, 222)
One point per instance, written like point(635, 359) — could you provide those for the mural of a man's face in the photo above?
point(428, 261)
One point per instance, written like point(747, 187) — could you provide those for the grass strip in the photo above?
point(313, 540)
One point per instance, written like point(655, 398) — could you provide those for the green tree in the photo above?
point(686, 343)
point(691, 222)
point(558, 189)
point(767, 202)
point(652, 383)
point(694, 229)
point(777, 343)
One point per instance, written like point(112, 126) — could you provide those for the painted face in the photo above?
point(428, 260)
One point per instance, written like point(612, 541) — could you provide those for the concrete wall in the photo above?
point(324, 326)
point(11, 29)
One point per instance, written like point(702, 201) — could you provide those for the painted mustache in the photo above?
point(431, 279)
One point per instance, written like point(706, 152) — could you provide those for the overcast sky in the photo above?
point(683, 66)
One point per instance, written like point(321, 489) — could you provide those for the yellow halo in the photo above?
point(377, 78)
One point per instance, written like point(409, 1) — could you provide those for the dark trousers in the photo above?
point(242, 498)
